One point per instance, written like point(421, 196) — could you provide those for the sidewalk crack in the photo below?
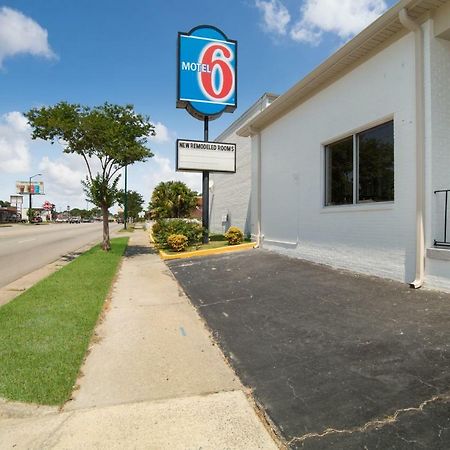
point(375, 423)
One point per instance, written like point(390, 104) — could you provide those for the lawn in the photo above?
point(45, 332)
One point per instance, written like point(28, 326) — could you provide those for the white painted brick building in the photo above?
point(230, 193)
point(345, 163)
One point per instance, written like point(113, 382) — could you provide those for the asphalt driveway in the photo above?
point(337, 360)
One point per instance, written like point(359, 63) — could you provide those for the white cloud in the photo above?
point(344, 18)
point(163, 134)
point(162, 169)
point(276, 16)
point(14, 143)
point(21, 34)
point(62, 176)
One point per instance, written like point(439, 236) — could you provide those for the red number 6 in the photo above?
point(216, 64)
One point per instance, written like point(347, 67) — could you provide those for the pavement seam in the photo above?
point(46, 443)
point(151, 401)
point(375, 423)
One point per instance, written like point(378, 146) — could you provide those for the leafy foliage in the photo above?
point(162, 229)
point(134, 203)
point(101, 191)
point(234, 236)
point(83, 213)
point(177, 242)
point(217, 237)
point(172, 199)
point(115, 135)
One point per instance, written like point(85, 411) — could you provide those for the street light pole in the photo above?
point(30, 211)
point(125, 206)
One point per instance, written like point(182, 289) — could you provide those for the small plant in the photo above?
point(177, 242)
point(234, 236)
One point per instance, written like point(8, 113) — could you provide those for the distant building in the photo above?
point(198, 210)
point(8, 214)
point(230, 192)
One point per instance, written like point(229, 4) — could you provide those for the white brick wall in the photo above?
point(230, 194)
point(377, 239)
point(438, 148)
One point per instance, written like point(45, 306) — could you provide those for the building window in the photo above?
point(360, 168)
point(339, 163)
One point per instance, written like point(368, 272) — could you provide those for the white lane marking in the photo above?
point(26, 240)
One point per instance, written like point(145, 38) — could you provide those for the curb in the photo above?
point(206, 252)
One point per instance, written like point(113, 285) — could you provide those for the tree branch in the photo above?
point(87, 165)
point(115, 171)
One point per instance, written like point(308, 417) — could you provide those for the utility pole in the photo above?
point(125, 206)
point(30, 210)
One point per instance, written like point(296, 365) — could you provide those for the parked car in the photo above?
point(87, 220)
point(36, 219)
point(75, 219)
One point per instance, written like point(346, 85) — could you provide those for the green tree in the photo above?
point(95, 212)
point(172, 199)
point(134, 203)
point(114, 135)
point(4, 204)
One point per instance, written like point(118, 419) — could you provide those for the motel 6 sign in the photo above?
point(207, 63)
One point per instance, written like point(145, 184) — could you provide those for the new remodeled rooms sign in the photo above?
point(211, 156)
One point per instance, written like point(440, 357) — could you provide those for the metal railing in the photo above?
point(444, 243)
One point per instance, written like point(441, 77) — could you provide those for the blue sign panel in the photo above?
point(207, 62)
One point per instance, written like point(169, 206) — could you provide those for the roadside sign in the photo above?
point(195, 156)
point(25, 187)
point(207, 67)
point(48, 206)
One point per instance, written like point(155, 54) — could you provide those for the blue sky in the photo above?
point(89, 52)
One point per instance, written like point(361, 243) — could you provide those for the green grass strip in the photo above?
point(45, 332)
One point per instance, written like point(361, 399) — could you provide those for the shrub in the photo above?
point(177, 242)
point(163, 228)
point(217, 237)
point(234, 236)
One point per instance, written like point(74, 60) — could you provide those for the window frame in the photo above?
point(354, 134)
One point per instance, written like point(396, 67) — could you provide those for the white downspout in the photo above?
point(412, 26)
point(257, 152)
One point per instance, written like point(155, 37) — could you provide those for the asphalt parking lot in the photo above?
point(337, 360)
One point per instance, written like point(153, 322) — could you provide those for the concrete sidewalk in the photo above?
point(153, 380)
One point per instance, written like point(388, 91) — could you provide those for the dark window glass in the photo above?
point(376, 164)
point(339, 172)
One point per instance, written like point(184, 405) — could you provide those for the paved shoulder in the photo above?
point(338, 360)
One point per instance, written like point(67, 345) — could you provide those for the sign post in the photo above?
point(206, 88)
point(205, 190)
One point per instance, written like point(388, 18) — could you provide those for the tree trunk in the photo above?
point(106, 244)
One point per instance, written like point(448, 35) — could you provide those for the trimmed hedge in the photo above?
point(163, 228)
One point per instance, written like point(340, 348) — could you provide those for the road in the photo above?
point(24, 249)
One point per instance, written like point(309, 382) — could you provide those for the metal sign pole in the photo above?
point(125, 209)
point(205, 193)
